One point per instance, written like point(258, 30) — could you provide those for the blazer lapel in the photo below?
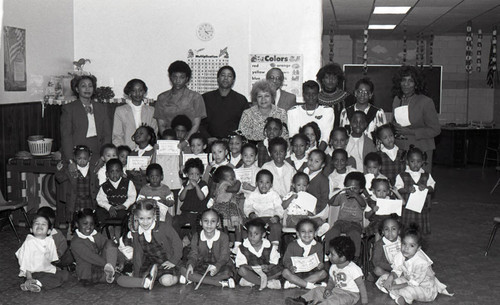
point(82, 113)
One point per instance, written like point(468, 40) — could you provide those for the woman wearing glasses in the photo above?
point(363, 93)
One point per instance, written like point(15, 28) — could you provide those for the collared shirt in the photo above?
point(307, 248)
point(83, 236)
point(141, 152)
point(136, 112)
point(102, 198)
point(355, 149)
point(391, 153)
point(83, 170)
point(242, 260)
point(147, 233)
point(210, 241)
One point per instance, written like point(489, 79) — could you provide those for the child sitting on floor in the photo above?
point(65, 257)
point(209, 250)
point(36, 256)
point(265, 203)
point(387, 247)
point(345, 284)
point(304, 246)
point(256, 260)
point(95, 255)
point(412, 277)
point(157, 249)
point(278, 167)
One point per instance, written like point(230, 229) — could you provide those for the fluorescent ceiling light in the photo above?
point(391, 9)
point(381, 26)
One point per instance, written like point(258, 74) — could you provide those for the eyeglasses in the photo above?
point(363, 92)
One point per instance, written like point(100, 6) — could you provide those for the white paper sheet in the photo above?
point(168, 147)
point(306, 201)
point(305, 264)
point(202, 157)
point(391, 250)
point(389, 206)
point(402, 116)
point(416, 200)
point(245, 175)
point(136, 162)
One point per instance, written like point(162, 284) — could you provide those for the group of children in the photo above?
point(252, 191)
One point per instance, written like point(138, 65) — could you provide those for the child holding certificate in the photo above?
point(249, 158)
point(303, 258)
point(386, 248)
point(408, 182)
point(145, 138)
point(345, 284)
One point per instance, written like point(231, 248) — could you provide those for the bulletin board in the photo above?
point(290, 64)
point(205, 68)
point(381, 76)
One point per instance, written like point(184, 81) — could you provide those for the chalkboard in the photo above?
point(381, 76)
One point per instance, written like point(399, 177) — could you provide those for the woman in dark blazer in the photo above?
point(414, 114)
point(84, 121)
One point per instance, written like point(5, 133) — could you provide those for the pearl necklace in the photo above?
point(307, 111)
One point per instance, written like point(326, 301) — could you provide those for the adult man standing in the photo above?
point(285, 100)
point(224, 107)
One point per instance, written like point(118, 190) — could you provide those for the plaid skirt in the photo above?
point(232, 216)
point(423, 220)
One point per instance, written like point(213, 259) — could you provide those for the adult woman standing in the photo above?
point(375, 117)
point(253, 119)
point(415, 117)
point(84, 121)
point(311, 111)
point(133, 114)
point(331, 79)
point(179, 100)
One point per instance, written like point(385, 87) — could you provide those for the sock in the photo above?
point(310, 285)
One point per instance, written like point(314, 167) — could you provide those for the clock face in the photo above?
point(205, 31)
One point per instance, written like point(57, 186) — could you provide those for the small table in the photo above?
point(23, 184)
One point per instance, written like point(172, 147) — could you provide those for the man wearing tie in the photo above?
point(285, 100)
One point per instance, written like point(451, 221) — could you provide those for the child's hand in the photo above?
point(321, 266)
point(112, 212)
point(421, 187)
point(189, 185)
point(412, 189)
point(294, 196)
point(168, 203)
point(375, 208)
point(327, 293)
point(274, 219)
point(388, 282)
point(266, 268)
point(252, 215)
point(194, 183)
point(213, 270)
point(167, 265)
point(248, 187)
point(189, 271)
point(294, 269)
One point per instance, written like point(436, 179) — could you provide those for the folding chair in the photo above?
point(6, 209)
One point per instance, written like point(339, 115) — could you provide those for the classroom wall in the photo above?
point(127, 38)
point(49, 43)
point(448, 51)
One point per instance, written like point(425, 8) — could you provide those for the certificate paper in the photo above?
point(245, 175)
point(136, 162)
point(416, 200)
point(202, 157)
point(391, 250)
point(168, 147)
point(305, 264)
point(402, 116)
point(306, 201)
point(389, 206)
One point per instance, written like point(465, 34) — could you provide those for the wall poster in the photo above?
point(205, 68)
point(14, 58)
point(290, 64)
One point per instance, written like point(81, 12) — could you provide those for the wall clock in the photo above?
point(205, 31)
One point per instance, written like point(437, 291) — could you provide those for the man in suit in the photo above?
point(284, 100)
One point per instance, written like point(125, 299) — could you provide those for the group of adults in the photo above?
point(218, 113)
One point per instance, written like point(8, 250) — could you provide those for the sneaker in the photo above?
point(274, 284)
point(33, 286)
point(295, 301)
point(150, 279)
point(110, 273)
point(231, 283)
point(289, 285)
point(322, 229)
point(245, 283)
point(182, 280)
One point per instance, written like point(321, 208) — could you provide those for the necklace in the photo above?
point(310, 113)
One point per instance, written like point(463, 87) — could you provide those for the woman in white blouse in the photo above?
point(133, 114)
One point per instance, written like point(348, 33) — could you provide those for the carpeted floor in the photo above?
point(461, 215)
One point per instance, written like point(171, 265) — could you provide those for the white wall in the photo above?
point(128, 39)
point(49, 43)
